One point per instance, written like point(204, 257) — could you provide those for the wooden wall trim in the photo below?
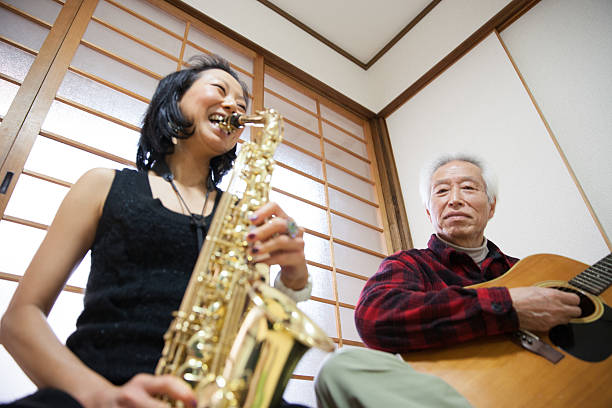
point(313, 33)
point(341, 51)
point(279, 64)
point(26, 94)
point(509, 13)
point(393, 200)
point(402, 33)
point(46, 85)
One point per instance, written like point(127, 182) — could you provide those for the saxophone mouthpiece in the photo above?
point(235, 122)
point(231, 123)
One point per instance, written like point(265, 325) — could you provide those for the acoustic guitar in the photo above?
point(497, 372)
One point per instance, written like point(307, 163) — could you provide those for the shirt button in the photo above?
point(497, 308)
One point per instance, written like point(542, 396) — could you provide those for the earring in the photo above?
point(176, 129)
point(174, 140)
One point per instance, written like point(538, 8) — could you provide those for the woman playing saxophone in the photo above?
point(144, 229)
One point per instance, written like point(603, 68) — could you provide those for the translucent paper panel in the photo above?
point(102, 98)
point(81, 274)
point(7, 94)
point(46, 10)
point(18, 244)
point(298, 160)
point(356, 261)
point(305, 215)
point(348, 161)
point(288, 92)
point(292, 112)
point(358, 234)
point(299, 185)
point(14, 62)
point(321, 281)
point(353, 207)
point(191, 51)
point(351, 183)
point(91, 130)
point(156, 14)
point(344, 139)
point(21, 30)
point(347, 322)
point(215, 46)
point(317, 249)
point(64, 313)
point(341, 121)
point(74, 163)
point(322, 285)
point(28, 195)
point(303, 139)
point(322, 314)
point(311, 362)
point(138, 28)
point(114, 72)
point(128, 49)
point(349, 288)
point(300, 392)
point(15, 384)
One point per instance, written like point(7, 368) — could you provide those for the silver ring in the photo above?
point(292, 228)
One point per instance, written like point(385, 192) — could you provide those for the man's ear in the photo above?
point(428, 213)
point(492, 206)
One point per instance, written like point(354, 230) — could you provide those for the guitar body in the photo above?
point(495, 372)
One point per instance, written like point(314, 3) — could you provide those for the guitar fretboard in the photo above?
point(597, 278)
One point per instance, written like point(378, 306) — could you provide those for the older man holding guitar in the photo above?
point(453, 308)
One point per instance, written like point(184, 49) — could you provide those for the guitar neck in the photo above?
point(595, 279)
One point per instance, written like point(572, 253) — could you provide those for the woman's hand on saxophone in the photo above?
point(142, 391)
point(277, 240)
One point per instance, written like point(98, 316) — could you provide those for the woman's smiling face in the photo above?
point(213, 96)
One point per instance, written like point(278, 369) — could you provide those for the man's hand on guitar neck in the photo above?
point(540, 309)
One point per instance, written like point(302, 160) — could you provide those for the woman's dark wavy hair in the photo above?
point(164, 120)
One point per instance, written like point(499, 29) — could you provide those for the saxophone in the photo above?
point(235, 340)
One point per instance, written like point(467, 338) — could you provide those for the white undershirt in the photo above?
point(478, 254)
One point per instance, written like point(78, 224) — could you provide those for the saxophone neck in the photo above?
point(259, 119)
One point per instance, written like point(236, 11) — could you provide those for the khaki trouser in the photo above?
point(359, 377)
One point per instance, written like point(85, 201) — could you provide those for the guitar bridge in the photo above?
point(533, 343)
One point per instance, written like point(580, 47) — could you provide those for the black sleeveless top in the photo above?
point(141, 260)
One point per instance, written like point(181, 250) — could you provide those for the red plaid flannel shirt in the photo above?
point(417, 299)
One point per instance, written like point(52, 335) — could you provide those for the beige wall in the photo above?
point(563, 49)
point(480, 105)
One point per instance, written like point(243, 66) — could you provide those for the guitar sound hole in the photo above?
point(587, 307)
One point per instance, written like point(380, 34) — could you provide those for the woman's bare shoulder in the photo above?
point(98, 176)
point(92, 187)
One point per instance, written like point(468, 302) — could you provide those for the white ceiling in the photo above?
point(437, 34)
point(360, 27)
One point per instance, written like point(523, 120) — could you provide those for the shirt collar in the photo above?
point(445, 250)
point(477, 254)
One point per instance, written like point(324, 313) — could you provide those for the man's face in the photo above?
point(459, 209)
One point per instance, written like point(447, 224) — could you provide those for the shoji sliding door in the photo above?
point(325, 177)
point(75, 80)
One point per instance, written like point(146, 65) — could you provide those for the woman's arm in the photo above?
point(25, 332)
